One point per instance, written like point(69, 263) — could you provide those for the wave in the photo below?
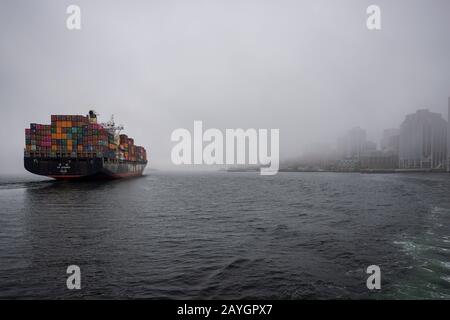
point(24, 184)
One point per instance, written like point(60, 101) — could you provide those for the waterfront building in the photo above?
point(423, 141)
point(448, 136)
point(354, 144)
point(390, 140)
point(379, 160)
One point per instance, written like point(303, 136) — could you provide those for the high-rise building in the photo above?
point(354, 144)
point(448, 136)
point(356, 140)
point(390, 140)
point(423, 141)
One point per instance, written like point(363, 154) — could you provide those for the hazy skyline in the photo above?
point(310, 68)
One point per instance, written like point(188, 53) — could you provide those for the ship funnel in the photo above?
point(92, 116)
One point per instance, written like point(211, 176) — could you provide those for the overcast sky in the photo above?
point(310, 68)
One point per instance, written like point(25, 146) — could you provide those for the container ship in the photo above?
point(76, 147)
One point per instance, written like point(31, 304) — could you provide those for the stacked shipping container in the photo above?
point(38, 138)
point(129, 151)
point(76, 136)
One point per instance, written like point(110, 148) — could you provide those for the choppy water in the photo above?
point(227, 235)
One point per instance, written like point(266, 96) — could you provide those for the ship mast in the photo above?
point(111, 126)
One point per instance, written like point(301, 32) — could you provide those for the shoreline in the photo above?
point(362, 171)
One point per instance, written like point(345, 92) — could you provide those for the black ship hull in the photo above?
point(83, 168)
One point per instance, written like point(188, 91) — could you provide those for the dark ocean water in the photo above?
point(227, 235)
